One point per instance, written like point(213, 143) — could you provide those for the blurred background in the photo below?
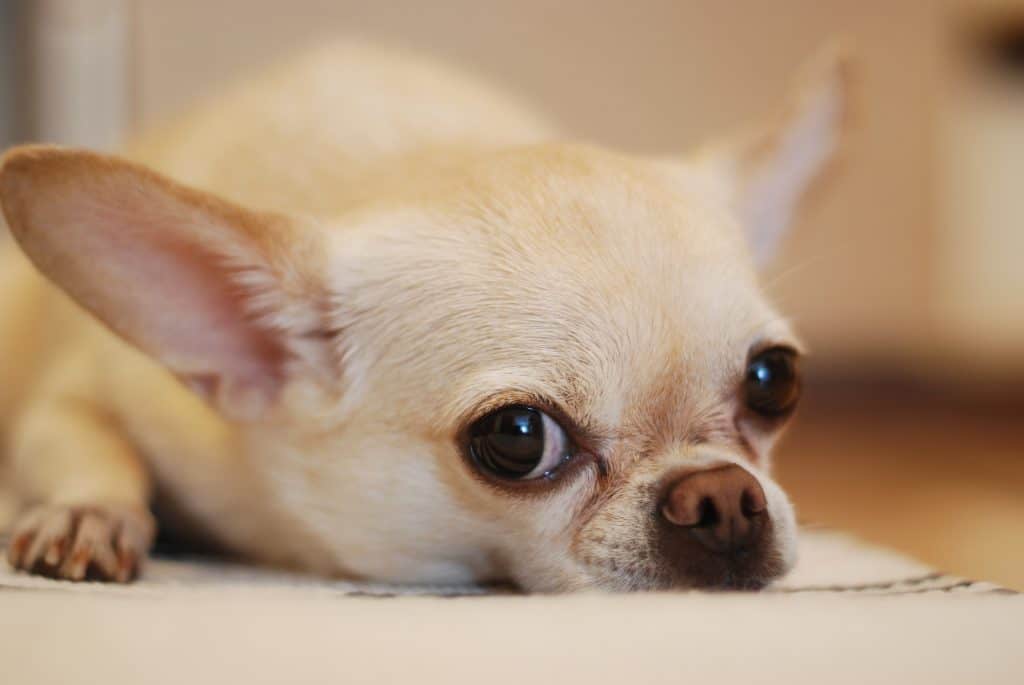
point(906, 278)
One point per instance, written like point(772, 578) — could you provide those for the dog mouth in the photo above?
point(727, 574)
point(738, 579)
point(726, 583)
point(665, 565)
point(749, 569)
point(735, 583)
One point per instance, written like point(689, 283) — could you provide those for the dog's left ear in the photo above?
point(769, 168)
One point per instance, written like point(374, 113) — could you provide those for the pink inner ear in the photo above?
point(180, 299)
point(142, 259)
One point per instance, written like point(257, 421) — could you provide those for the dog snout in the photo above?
point(722, 508)
point(715, 528)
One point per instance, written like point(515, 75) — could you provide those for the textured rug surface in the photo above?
point(829, 563)
point(848, 613)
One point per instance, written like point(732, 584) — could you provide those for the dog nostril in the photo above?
point(724, 509)
point(752, 502)
point(707, 513)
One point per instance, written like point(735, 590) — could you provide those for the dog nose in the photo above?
point(722, 508)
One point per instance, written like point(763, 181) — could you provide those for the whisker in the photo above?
point(833, 252)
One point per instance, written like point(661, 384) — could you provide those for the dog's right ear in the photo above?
point(768, 168)
point(223, 296)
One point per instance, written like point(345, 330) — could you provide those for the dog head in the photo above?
point(549, 363)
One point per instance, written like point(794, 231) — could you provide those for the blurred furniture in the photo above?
point(75, 63)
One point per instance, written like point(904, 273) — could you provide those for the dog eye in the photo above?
point(772, 383)
point(518, 443)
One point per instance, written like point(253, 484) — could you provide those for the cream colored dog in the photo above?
point(371, 320)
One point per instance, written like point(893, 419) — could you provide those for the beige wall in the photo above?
point(658, 75)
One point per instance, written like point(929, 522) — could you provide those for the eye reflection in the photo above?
point(772, 383)
point(518, 443)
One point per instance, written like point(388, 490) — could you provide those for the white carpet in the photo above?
point(848, 614)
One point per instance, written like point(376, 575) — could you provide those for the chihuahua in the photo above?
point(370, 318)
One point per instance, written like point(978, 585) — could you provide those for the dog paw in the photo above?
point(82, 542)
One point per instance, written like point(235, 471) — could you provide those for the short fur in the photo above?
point(359, 254)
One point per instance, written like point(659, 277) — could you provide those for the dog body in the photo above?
point(302, 384)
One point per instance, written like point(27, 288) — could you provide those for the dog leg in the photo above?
point(90, 489)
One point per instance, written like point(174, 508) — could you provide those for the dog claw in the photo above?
point(80, 542)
